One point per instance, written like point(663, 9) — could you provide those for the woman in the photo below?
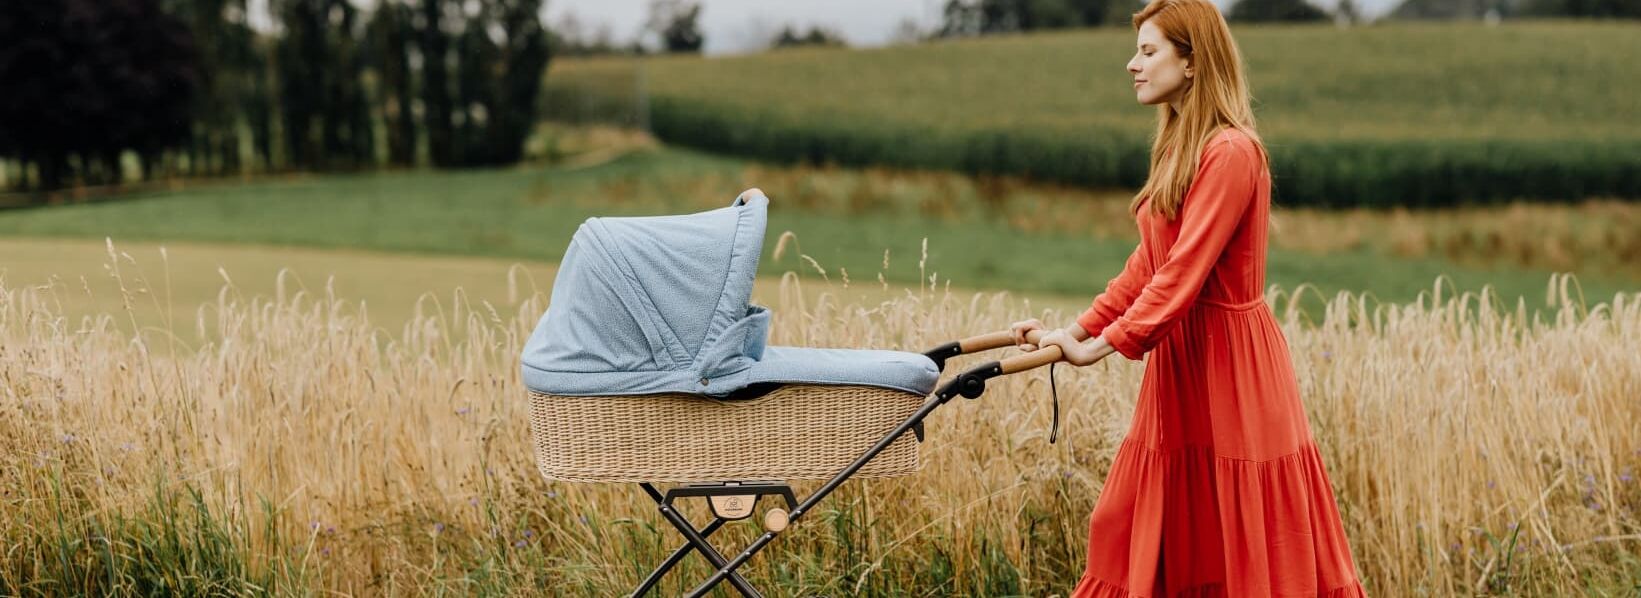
point(1218, 490)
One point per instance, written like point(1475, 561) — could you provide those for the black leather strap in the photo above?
point(1054, 429)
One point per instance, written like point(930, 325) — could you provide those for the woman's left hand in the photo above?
point(1076, 353)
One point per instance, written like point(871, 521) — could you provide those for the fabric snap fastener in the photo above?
point(703, 382)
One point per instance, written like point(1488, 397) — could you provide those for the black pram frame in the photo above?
point(733, 500)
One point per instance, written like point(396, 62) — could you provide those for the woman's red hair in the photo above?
point(1215, 98)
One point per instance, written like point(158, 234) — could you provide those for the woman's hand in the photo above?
point(1076, 352)
point(1020, 329)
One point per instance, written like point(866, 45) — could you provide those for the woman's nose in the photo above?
point(1134, 66)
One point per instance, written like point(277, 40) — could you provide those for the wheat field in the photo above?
point(283, 444)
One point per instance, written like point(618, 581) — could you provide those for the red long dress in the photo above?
point(1218, 490)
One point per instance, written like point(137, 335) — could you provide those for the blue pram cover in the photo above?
point(649, 305)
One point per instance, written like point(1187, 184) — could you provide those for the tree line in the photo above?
point(195, 88)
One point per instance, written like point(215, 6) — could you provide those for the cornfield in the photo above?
point(1413, 115)
point(285, 445)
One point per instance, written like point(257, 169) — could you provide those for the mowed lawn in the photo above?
point(529, 213)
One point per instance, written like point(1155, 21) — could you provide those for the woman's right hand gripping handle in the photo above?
point(1023, 337)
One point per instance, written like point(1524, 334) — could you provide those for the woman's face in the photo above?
point(1160, 73)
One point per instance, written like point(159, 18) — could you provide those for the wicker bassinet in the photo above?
point(795, 432)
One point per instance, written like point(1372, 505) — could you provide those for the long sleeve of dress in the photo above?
point(1119, 293)
point(1220, 194)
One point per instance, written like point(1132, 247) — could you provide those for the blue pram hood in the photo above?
point(661, 304)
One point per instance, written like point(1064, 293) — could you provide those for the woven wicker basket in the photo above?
point(795, 432)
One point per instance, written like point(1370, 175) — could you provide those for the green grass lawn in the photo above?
point(529, 214)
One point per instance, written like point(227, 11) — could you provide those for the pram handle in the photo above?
point(973, 382)
point(998, 340)
point(978, 343)
point(1033, 360)
point(995, 340)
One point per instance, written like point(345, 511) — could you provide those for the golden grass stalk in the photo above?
point(286, 445)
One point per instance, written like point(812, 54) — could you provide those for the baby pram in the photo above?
point(650, 366)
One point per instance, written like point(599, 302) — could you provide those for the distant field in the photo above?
point(393, 289)
point(980, 234)
point(80, 276)
point(1386, 115)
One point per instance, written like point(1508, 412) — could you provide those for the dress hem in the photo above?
point(1093, 587)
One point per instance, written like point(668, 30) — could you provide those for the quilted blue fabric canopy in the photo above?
point(661, 304)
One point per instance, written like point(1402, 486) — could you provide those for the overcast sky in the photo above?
point(740, 25)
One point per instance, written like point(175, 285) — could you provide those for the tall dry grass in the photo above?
point(285, 445)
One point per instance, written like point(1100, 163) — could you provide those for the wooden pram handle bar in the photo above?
point(1018, 363)
point(986, 342)
point(996, 340)
point(1035, 359)
point(972, 383)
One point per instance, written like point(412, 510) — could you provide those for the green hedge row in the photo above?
point(1307, 173)
point(1331, 173)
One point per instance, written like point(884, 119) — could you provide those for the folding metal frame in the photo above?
point(734, 500)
